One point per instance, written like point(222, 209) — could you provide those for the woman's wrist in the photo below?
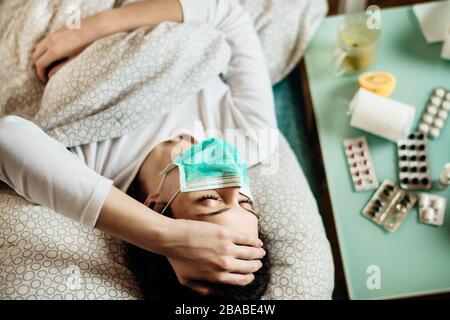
point(96, 27)
point(161, 235)
point(131, 221)
point(172, 235)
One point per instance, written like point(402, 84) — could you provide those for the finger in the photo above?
point(245, 239)
point(245, 266)
point(198, 287)
point(248, 253)
point(234, 279)
point(42, 63)
point(56, 69)
point(46, 62)
point(40, 49)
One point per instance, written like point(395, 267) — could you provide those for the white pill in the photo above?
point(442, 114)
point(428, 214)
point(427, 118)
point(435, 132)
point(439, 92)
point(438, 123)
point(436, 101)
point(447, 96)
point(423, 127)
point(438, 204)
point(432, 110)
point(446, 105)
point(424, 200)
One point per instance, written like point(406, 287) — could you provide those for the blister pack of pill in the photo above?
point(432, 209)
point(413, 162)
point(360, 164)
point(389, 206)
point(444, 178)
point(436, 113)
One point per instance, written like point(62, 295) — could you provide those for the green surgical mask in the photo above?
point(210, 164)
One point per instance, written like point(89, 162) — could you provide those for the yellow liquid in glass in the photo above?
point(359, 44)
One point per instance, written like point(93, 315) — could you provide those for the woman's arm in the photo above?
point(43, 171)
point(58, 48)
point(202, 251)
point(148, 13)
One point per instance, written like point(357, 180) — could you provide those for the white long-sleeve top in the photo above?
point(75, 182)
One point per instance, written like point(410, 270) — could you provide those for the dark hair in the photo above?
point(158, 281)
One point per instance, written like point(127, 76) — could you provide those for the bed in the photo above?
point(46, 256)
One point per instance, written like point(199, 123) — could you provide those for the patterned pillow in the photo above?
point(302, 264)
point(46, 256)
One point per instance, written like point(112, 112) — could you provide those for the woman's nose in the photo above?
point(230, 195)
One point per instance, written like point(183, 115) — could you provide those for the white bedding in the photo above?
point(44, 255)
point(94, 90)
point(41, 252)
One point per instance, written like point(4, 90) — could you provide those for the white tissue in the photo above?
point(381, 116)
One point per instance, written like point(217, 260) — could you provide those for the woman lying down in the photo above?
point(190, 219)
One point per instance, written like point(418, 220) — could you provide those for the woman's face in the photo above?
point(225, 206)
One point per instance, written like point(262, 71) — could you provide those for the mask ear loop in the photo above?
point(158, 189)
point(170, 201)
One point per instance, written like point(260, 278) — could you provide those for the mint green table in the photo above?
point(415, 260)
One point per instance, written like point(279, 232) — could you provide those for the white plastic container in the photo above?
point(381, 116)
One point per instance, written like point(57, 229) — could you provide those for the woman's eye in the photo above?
point(246, 202)
point(210, 197)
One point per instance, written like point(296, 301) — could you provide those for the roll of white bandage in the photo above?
point(381, 116)
point(446, 46)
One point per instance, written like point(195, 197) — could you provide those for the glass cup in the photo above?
point(356, 44)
